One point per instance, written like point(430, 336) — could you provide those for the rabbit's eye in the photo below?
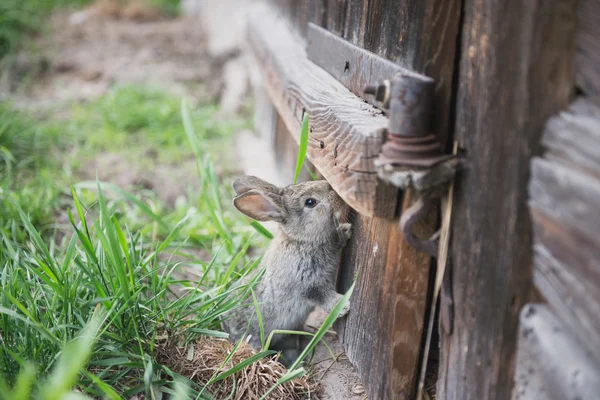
point(310, 203)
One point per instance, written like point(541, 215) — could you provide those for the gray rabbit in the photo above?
point(301, 261)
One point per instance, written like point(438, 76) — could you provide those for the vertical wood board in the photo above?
point(551, 364)
point(509, 53)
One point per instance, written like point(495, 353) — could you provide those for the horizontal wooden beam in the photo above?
point(346, 134)
point(351, 65)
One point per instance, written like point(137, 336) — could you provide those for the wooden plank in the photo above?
point(564, 190)
point(421, 36)
point(588, 47)
point(383, 335)
point(383, 332)
point(417, 35)
point(355, 23)
point(567, 194)
point(510, 51)
point(551, 364)
point(346, 134)
point(574, 135)
point(575, 301)
point(336, 15)
point(351, 65)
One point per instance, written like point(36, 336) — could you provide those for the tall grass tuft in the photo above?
point(87, 313)
point(22, 17)
point(48, 295)
point(160, 279)
point(27, 158)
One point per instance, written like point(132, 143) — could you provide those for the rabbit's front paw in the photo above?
point(345, 231)
point(345, 310)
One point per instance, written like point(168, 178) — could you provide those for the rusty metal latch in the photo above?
point(412, 157)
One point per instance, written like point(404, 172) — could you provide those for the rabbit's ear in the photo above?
point(260, 206)
point(247, 182)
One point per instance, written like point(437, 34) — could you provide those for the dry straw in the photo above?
point(208, 357)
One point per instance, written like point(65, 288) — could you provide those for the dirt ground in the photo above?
point(90, 51)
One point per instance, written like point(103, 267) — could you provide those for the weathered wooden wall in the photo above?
point(558, 353)
point(502, 69)
point(516, 70)
point(587, 65)
point(383, 333)
point(559, 347)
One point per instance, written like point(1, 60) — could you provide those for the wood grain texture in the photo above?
point(383, 332)
point(588, 47)
point(564, 191)
point(383, 336)
point(568, 195)
point(510, 51)
point(573, 135)
point(345, 133)
point(418, 35)
point(422, 36)
point(551, 364)
point(562, 275)
point(336, 16)
point(355, 22)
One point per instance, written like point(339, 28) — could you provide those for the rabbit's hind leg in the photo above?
point(290, 349)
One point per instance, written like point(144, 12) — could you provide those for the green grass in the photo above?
point(22, 18)
point(19, 18)
point(50, 293)
point(39, 159)
point(168, 7)
point(122, 252)
point(28, 166)
point(302, 148)
point(85, 306)
point(146, 120)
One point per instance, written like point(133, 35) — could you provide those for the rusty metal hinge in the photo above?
point(412, 157)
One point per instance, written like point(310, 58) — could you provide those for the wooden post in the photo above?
point(516, 69)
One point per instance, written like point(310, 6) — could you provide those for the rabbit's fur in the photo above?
point(301, 261)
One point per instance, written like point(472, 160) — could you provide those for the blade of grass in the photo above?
point(328, 323)
point(261, 229)
point(145, 208)
point(241, 365)
point(303, 147)
point(188, 127)
point(260, 320)
point(74, 357)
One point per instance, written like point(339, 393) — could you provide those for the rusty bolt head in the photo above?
point(370, 89)
point(380, 91)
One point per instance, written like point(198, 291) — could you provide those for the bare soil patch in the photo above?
point(91, 50)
